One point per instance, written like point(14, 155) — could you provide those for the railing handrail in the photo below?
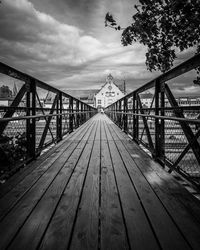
point(176, 143)
point(196, 121)
point(27, 135)
point(12, 72)
point(41, 116)
point(182, 68)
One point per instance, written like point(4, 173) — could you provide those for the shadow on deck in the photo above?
point(97, 190)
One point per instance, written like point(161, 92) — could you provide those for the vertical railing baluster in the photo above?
point(85, 115)
point(159, 124)
point(114, 107)
point(134, 118)
point(70, 114)
point(31, 123)
point(81, 113)
point(90, 113)
point(59, 118)
point(120, 114)
point(162, 123)
point(125, 114)
point(77, 114)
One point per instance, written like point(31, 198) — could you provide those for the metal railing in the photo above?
point(170, 131)
point(28, 125)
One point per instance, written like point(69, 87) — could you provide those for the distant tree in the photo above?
point(162, 25)
point(5, 92)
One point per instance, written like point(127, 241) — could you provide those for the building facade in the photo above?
point(108, 94)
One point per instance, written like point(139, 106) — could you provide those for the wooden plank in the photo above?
point(86, 229)
point(162, 185)
point(17, 193)
point(183, 196)
point(103, 132)
point(98, 133)
point(58, 233)
point(23, 208)
point(174, 197)
point(139, 230)
point(38, 221)
point(107, 135)
point(113, 231)
point(124, 204)
point(20, 175)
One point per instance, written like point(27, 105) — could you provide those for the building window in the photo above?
point(110, 94)
point(99, 101)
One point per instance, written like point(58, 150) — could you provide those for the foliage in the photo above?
point(5, 92)
point(12, 149)
point(162, 25)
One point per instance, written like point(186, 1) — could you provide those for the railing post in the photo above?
point(85, 113)
point(125, 116)
point(77, 114)
point(59, 118)
point(162, 123)
point(115, 114)
point(71, 115)
point(120, 114)
point(135, 123)
point(81, 113)
point(90, 113)
point(159, 123)
point(31, 123)
point(112, 113)
point(87, 108)
point(116, 108)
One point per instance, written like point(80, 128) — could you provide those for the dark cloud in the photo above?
point(65, 43)
point(80, 13)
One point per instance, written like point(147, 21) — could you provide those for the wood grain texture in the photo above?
point(59, 231)
point(86, 229)
point(113, 231)
point(139, 230)
point(97, 190)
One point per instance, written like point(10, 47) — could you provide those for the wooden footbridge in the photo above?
point(96, 188)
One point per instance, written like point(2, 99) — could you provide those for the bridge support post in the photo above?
point(125, 116)
point(135, 118)
point(71, 115)
point(159, 123)
point(77, 114)
point(59, 118)
point(81, 115)
point(31, 123)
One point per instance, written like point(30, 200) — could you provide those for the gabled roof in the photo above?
point(110, 78)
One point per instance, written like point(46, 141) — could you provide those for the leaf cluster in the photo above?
point(162, 26)
point(12, 149)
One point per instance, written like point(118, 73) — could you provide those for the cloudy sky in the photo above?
point(65, 43)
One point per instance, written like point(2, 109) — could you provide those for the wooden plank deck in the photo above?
point(97, 190)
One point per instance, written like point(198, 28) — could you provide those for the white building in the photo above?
point(108, 94)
